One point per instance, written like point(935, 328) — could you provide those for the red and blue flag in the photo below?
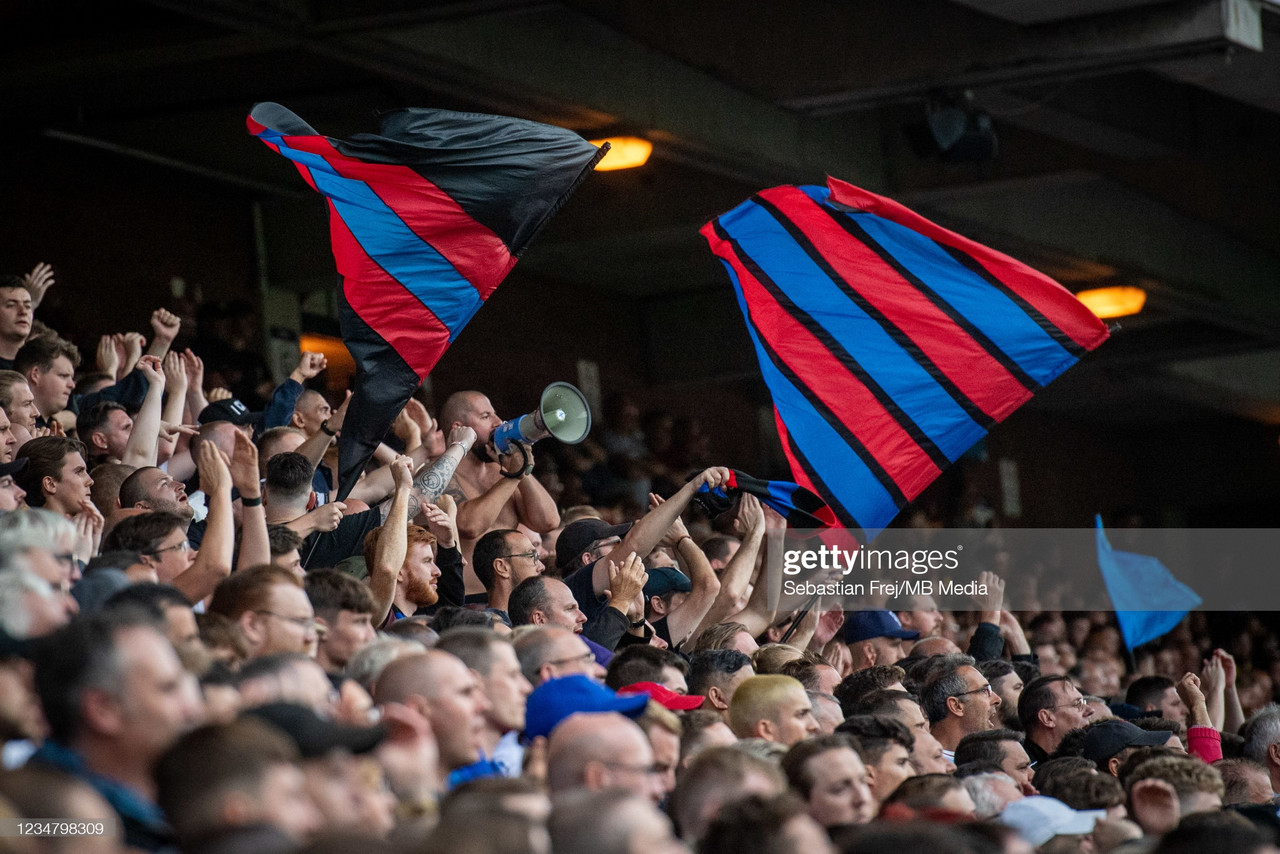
point(426, 220)
point(889, 344)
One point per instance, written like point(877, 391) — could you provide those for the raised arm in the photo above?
point(393, 542)
point(684, 618)
point(213, 561)
point(165, 326)
point(145, 437)
point(255, 546)
point(735, 579)
point(175, 386)
point(651, 527)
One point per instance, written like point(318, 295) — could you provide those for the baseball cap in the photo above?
point(666, 579)
point(7, 469)
point(664, 696)
point(872, 623)
point(315, 736)
point(1039, 818)
point(226, 410)
point(578, 536)
point(556, 699)
point(1107, 738)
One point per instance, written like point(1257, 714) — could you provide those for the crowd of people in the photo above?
point(203, 651)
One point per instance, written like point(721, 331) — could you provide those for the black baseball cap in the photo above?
point(226, 410)
point(315, 736)
point(578, 536)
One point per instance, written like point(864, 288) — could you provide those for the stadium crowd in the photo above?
point(203, 651)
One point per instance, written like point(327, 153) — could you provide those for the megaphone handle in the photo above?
point(526, 467)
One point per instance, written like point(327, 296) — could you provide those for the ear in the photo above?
point(657, 606)
point(100, 711)
point(33, 375)
point(98, 441)
point(867, 653)
point(593, 776)
point(537, 618)
point(1273, 753)
point(501, 569)
point(1113, 765)
point(237, 809)
point(956, 706)
point(716, 697)
point(765, 729)
point(49, 484)
point(295, 420)
point(250, 625)
point(1045, 716)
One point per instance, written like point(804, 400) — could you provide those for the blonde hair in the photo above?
point(757, 699)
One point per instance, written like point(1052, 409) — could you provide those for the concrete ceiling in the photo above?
point(1137, 138)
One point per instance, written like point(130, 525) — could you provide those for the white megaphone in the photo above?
point(562, 412)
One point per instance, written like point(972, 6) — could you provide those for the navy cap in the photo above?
point(316, 736)
point(556, 699)
point(865, 625)
point(11, 468)
point(226, 410)
point(1107, 738)
point(578, 536)
point(666, 579)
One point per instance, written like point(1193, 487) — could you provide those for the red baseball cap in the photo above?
point(664, 696)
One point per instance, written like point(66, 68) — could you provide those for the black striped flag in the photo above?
point(889, 344)
point(426, 219)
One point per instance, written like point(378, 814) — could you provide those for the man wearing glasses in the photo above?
point(502, 559)
point(271, 610)
point(1049, 708)
point(958, 700)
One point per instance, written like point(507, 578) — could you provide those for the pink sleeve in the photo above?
point(1204, 742)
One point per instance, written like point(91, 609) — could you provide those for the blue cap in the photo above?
point(556, 699)
point(666, 579)
point(865, 625)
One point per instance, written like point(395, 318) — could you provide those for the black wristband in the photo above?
point(638, 623)
point(251, 502)
point(324, 428)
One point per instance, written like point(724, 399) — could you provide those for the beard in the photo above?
point(421, 593)
point(480, 450)
point(178, 508)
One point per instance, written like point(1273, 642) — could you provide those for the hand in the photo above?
point(442, 521)
point(419, 415)
point(402, 472)
point(406, 430)
point(1188, 688)
point(515, 454)
point(89, 524)
point(1228, 667)
point(170, 432)
point(219, 393)
point(165, 324)
point(244, 466)
point(339, 416)
point(992, 601)
point(751, 518)
point(175, 375)
point(194, 366)
point(712, 478)
point(675, 533)
point(773, 520)
point(134, 343)
point(151, 368)
point(122, 355)
point(464, 436)
point(108, 356)
point(326, 517)
point(214, 469)
point(308, 366)
point(37, 282)
point(828, 625)
point(626, 582)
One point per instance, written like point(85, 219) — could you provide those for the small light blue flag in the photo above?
point(1142, 582)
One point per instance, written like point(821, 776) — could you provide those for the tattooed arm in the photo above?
point(432, 483)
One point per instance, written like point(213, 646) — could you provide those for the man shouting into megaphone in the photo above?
point(492, 490)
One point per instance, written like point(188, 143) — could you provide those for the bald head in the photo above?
point(448, 692)
point(935, 646)
point(458, 406)
point(602, 751)
point(412, 676)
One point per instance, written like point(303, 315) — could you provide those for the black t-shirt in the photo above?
point(582, 585)
point(327, 549)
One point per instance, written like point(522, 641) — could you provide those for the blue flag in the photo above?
point(1142, 582)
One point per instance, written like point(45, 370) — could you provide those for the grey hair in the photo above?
point(945, 684)
point(15, 584)
point(34, 528)
point(1262, 731)
point(367, 665)
point(981, 787)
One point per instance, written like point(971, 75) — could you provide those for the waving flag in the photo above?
point(800, 507)
point(889, 344)
point(426, 220)
point(1148, 600)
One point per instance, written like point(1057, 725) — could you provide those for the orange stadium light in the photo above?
point(625, 152)
point(1118, 301)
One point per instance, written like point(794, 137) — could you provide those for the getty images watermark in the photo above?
point(1042, 568)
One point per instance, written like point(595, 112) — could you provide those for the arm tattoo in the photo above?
point(414, 508)
point(432, 482)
